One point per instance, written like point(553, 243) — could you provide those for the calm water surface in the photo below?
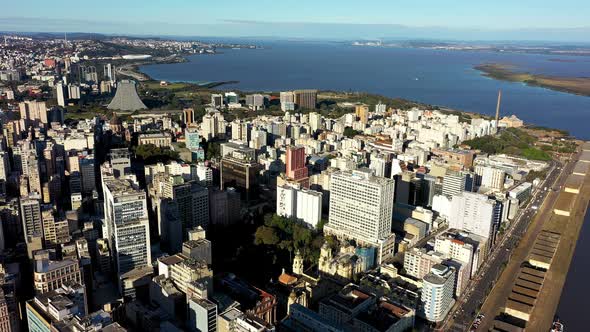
point(436, 77)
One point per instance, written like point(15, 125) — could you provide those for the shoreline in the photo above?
point(573, 85)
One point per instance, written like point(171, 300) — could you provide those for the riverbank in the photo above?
point(573, 85)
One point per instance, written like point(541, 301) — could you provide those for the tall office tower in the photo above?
point(4, 165)
point(34, 173)
point(30, 211)
point(188, 116)
point(437, 293)
point(192, 139)
point(287, 101)
point(295, 165)
point(33, 112)
point(231, 98)
point(87, 170)
point(236, 130)
point(120, 162)
point(49, 157)
point(302, 204)
point(191, 199)
point(380, 165)
point(403, 187)
point(489, 177)
point(60, 94)
point(361, 206)
point(428, 189)
point(315, 121)
point(473, 213)
point(306, 99)
point(362, 112)
point(454, 183)
point(73, 91)
point(126, 225)
point(109, 72)
point(380, 108)
point(255, 102)
point(217, 100)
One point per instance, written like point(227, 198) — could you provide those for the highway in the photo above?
point(461, 316)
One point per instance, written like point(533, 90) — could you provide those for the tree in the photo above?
point(266, 235)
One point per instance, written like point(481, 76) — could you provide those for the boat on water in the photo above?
point(557, 326)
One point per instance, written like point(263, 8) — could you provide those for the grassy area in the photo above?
point(575, 85)
point(511, 141)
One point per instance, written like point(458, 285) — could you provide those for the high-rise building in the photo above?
point(217, 100)
point(302, 204)
point(418, 262)
point(192, 201)
point(192, 139)
point(126, 225)
point(362, 113)
point(473, 213)
point(255, 102)
point(295, 165)
point(454, 184)
point(73, 91)
point(120, 162)
point(4, 165)
point(33, 112)
point(306, 99)
point(87, 170)
point(287, 101)
point(202, 315)
point(489, 177)
point(60, 94)
point(437, 293)
point(361, 206)
point(30, 211)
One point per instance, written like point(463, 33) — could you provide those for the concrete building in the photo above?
point(202, 315)
point(489, 177)
point(437, 293)
point(418, 262)
point(361, 205)
point(473, 213)
point(300, 204)
point(161, 140)
point(126, 225)
point(50, 275)
point(306, 99)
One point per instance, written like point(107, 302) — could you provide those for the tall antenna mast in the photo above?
point(498, 108)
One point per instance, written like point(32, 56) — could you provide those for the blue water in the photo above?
point(572, 309)
point(445, 78)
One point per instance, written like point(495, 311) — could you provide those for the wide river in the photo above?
point(437, 77)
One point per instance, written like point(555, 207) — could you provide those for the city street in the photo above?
point(463, 313)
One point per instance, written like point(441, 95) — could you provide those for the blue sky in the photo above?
point(501, 19)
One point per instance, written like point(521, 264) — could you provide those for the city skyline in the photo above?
point(463, 20)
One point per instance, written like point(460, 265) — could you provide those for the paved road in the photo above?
point(463, 313)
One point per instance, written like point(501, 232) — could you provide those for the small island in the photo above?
point(574, 85)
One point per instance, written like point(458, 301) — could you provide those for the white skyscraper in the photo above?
point(454, 184)
point(60, 94)
point(437, 292)
point(489, 177)
point(299, 203)
point(361, 206)
point(473, 213)
point(126, 224)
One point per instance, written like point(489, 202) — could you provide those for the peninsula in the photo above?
point(574, 85)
